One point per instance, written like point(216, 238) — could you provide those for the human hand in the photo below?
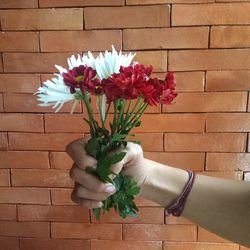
point(89, 191)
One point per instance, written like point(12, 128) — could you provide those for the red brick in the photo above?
point(166, 123)
point(172, 123)
point(8, 212)
point(228, 80)
point(24, 195)
point(66, 123)
point(1, 102)
point(53, 244)
point(232, 175)
point(142, 2)
point(1, 63)
point(52, 213)
point(208, 102)
point(140, 202)
point(156, 58)
point(230, 37)
point(205, 235)
point(42, 19)
point(228, 122)
point(61, 196)
point(149, 141)
point(211, 142)
point(146, 215)
point(227, 161)
point(22, 102)
point(210, 14)
point(60, 160)
point(213, 59)
point(186, 81)
point(159, 232)
point(19, 83)
point(127, 17)
point(77, 3)
point(21, 122)
point(244, 248)
point(9, 243)
point(18, 4)
point(177, 220)
point(22, 159)
point(200, 245)
point(4, 177)
point(194, 161)
point(190, 81)
point(86, 231)
point(51, 141)
point(19, 42)
point(41, 178)
point(24, 229)
point(124, 245)
point(3, 141)
point(94, 40)
point(34, 62)
point(248, 109)
point(165, 38)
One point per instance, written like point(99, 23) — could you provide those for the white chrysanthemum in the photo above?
point(54, 93)
point(105, 64)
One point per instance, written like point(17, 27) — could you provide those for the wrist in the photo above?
point(163, 183)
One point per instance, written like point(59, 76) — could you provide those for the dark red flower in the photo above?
point(82, 77)
point(128, 83)
point(157, 91)
point(169, 93)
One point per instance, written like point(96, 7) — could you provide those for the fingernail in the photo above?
point(109, 189)
point(99, 205)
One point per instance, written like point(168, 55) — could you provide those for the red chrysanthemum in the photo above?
point(128, 83)
point(84, 78)
point(157, 91)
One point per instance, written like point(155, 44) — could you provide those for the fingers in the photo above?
point(83, 193)
point(87, 198)
point(76, 150)
point(85, 202)
point(90, 181)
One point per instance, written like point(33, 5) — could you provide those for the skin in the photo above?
point(219, 205)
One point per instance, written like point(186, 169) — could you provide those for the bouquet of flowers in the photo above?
point(125, 85)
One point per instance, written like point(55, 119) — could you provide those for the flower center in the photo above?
point(79, 78)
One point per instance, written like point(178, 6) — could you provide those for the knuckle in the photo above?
point(69, 147)
point(72, 173)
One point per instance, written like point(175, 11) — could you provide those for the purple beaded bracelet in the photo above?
point(177, 206)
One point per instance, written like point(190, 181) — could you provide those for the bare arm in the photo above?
point(219, 205)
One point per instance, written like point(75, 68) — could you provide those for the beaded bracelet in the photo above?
point(177, 206)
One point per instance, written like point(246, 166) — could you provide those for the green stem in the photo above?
point(137, 116)
point(121, 113)
point(90, 114)
point(107, 112)
point(100, 110)
point(116, 103)
point(127, 112)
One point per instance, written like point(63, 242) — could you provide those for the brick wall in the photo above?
point(205, 42)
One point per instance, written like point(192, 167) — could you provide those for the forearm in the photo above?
point(222, 206)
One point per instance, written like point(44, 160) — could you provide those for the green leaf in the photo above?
point(105, 163)
point(97, 213)
point(138, 123)
point(92, 147)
